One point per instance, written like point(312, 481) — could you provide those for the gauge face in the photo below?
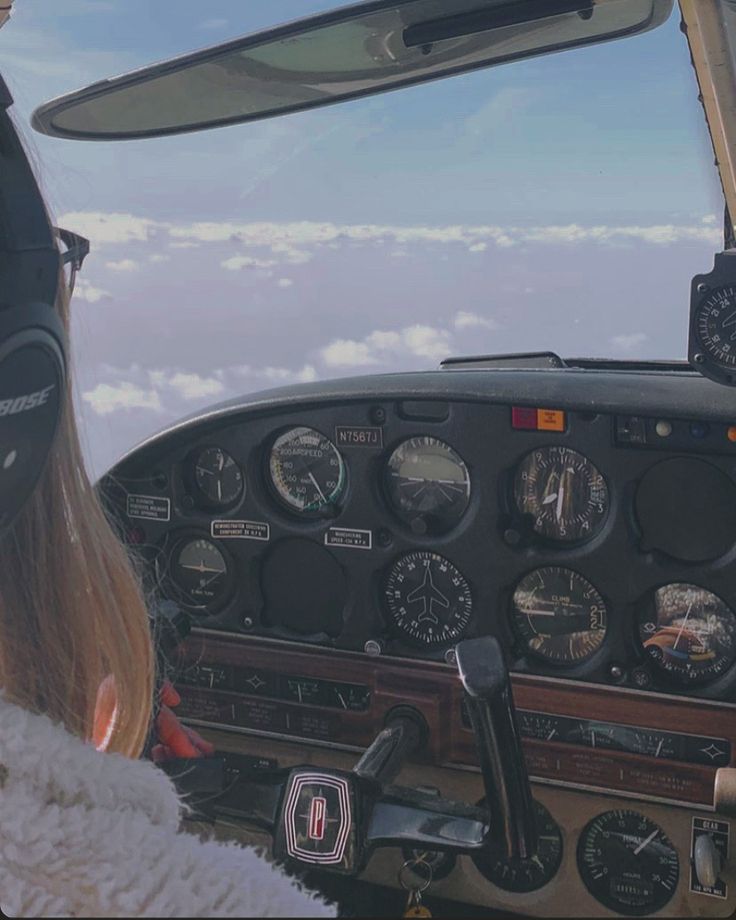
point(428, 599)
point(559, 616)
point(565, 495)
point(307, 472)
point(688, 633)
point(200, 573)
point(525, 874)
point(716, 326)
point(428, 485)
point(627, 863)
point(218, 477)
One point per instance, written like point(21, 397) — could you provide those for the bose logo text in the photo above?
point(25, 403)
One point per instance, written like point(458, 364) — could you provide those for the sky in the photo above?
point(561, 203)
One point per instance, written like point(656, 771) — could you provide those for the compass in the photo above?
point(712, 346)
point(428, 599)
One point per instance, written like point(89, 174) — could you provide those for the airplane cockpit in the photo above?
point(464, 638)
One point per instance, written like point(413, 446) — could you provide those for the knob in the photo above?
point(707, 861)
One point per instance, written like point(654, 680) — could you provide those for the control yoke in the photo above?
point(334, 819)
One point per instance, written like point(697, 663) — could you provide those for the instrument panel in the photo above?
point(335, 541)
point(595, 545)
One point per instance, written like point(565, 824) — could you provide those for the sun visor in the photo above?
point(350, 52)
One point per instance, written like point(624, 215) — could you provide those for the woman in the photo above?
point(87, 829)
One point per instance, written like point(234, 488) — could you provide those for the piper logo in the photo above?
point(317, 815)
point(26, 402)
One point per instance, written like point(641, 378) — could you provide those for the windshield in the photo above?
point(557, 204)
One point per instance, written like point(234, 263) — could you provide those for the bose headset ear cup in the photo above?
point(32, 384)
point(32, 337)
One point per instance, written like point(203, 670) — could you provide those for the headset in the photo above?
point(33, 346)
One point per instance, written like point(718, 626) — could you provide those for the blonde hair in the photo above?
point(72, 612)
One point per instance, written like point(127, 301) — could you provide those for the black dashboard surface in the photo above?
point(578, 496)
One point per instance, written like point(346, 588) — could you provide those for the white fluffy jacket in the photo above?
point(86, 834)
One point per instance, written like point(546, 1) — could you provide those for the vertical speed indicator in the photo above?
point(559, 615)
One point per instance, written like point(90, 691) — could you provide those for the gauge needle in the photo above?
point(560, 499)
point(646, 842)
point(689, 608)
point(201, 568)
point(316, 486)
point(552, 497)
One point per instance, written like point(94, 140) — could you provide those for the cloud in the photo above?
point(106, 398)
point(467, 320)
point(124, 265)
point(164, 389)
point(297, 242)
point(348, 353)
point(426, 341)
point(193, 386)
point(419, 341)
point(285, 282)
point(158, 257)
point(236, 263)
point(305, 374)
point(85, 290)
point(629, 343)
point(105, 229)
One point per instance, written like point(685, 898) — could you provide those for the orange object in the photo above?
point(731, 433)
point(550, 420)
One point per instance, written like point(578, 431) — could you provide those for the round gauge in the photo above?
point(307, 472)
point(627, 863)
point(559, 616)
point(565, 495)
point(218, 477)
point(428, 599)
point(199, 571)
point(715, 323)
point(522, 875)
point(688, 633)
point(428, 485)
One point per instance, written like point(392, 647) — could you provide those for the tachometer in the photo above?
point(688, 633)
point(428, 484)
point(627, 863)
point(563, 492)
point(307, 471)
point(558, 615)
point(428, 599)
point(524, 875)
